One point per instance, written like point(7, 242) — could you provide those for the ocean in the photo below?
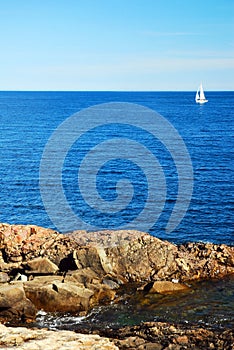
point(32, 168)
point(29, 119)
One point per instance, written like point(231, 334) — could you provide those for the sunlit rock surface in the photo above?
point(74, 272)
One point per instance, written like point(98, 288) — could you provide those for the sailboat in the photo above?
point(200, 96)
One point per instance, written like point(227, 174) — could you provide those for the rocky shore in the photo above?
point(41, 269)
point(148, 336)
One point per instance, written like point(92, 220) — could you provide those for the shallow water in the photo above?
point(207, 303)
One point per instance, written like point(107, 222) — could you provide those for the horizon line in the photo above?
point(113, 90)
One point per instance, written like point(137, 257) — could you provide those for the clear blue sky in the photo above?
point(116, 44)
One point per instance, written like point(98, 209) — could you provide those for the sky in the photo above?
point(117, 45)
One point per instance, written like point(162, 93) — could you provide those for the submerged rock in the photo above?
point(165, 287)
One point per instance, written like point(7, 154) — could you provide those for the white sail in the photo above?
point(200, 96)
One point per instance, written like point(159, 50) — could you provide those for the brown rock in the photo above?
point(18, 241)
point(99, 262)
point(55, 295)
point(102, 294)
point(150, 346)
point(136, 256)
point(164, 287)
point(28, 339)
point(122, 255)
point(84, 276)
point(67, 295)
point(10, 294)
point(4, 277)
point(161, 335)
point(127, 256)
point(88, 257)
point(182, 339)
point(14, 304)
point(41, 266)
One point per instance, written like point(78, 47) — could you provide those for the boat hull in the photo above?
point(202, 101)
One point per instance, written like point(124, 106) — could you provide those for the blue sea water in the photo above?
point(28, 119)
